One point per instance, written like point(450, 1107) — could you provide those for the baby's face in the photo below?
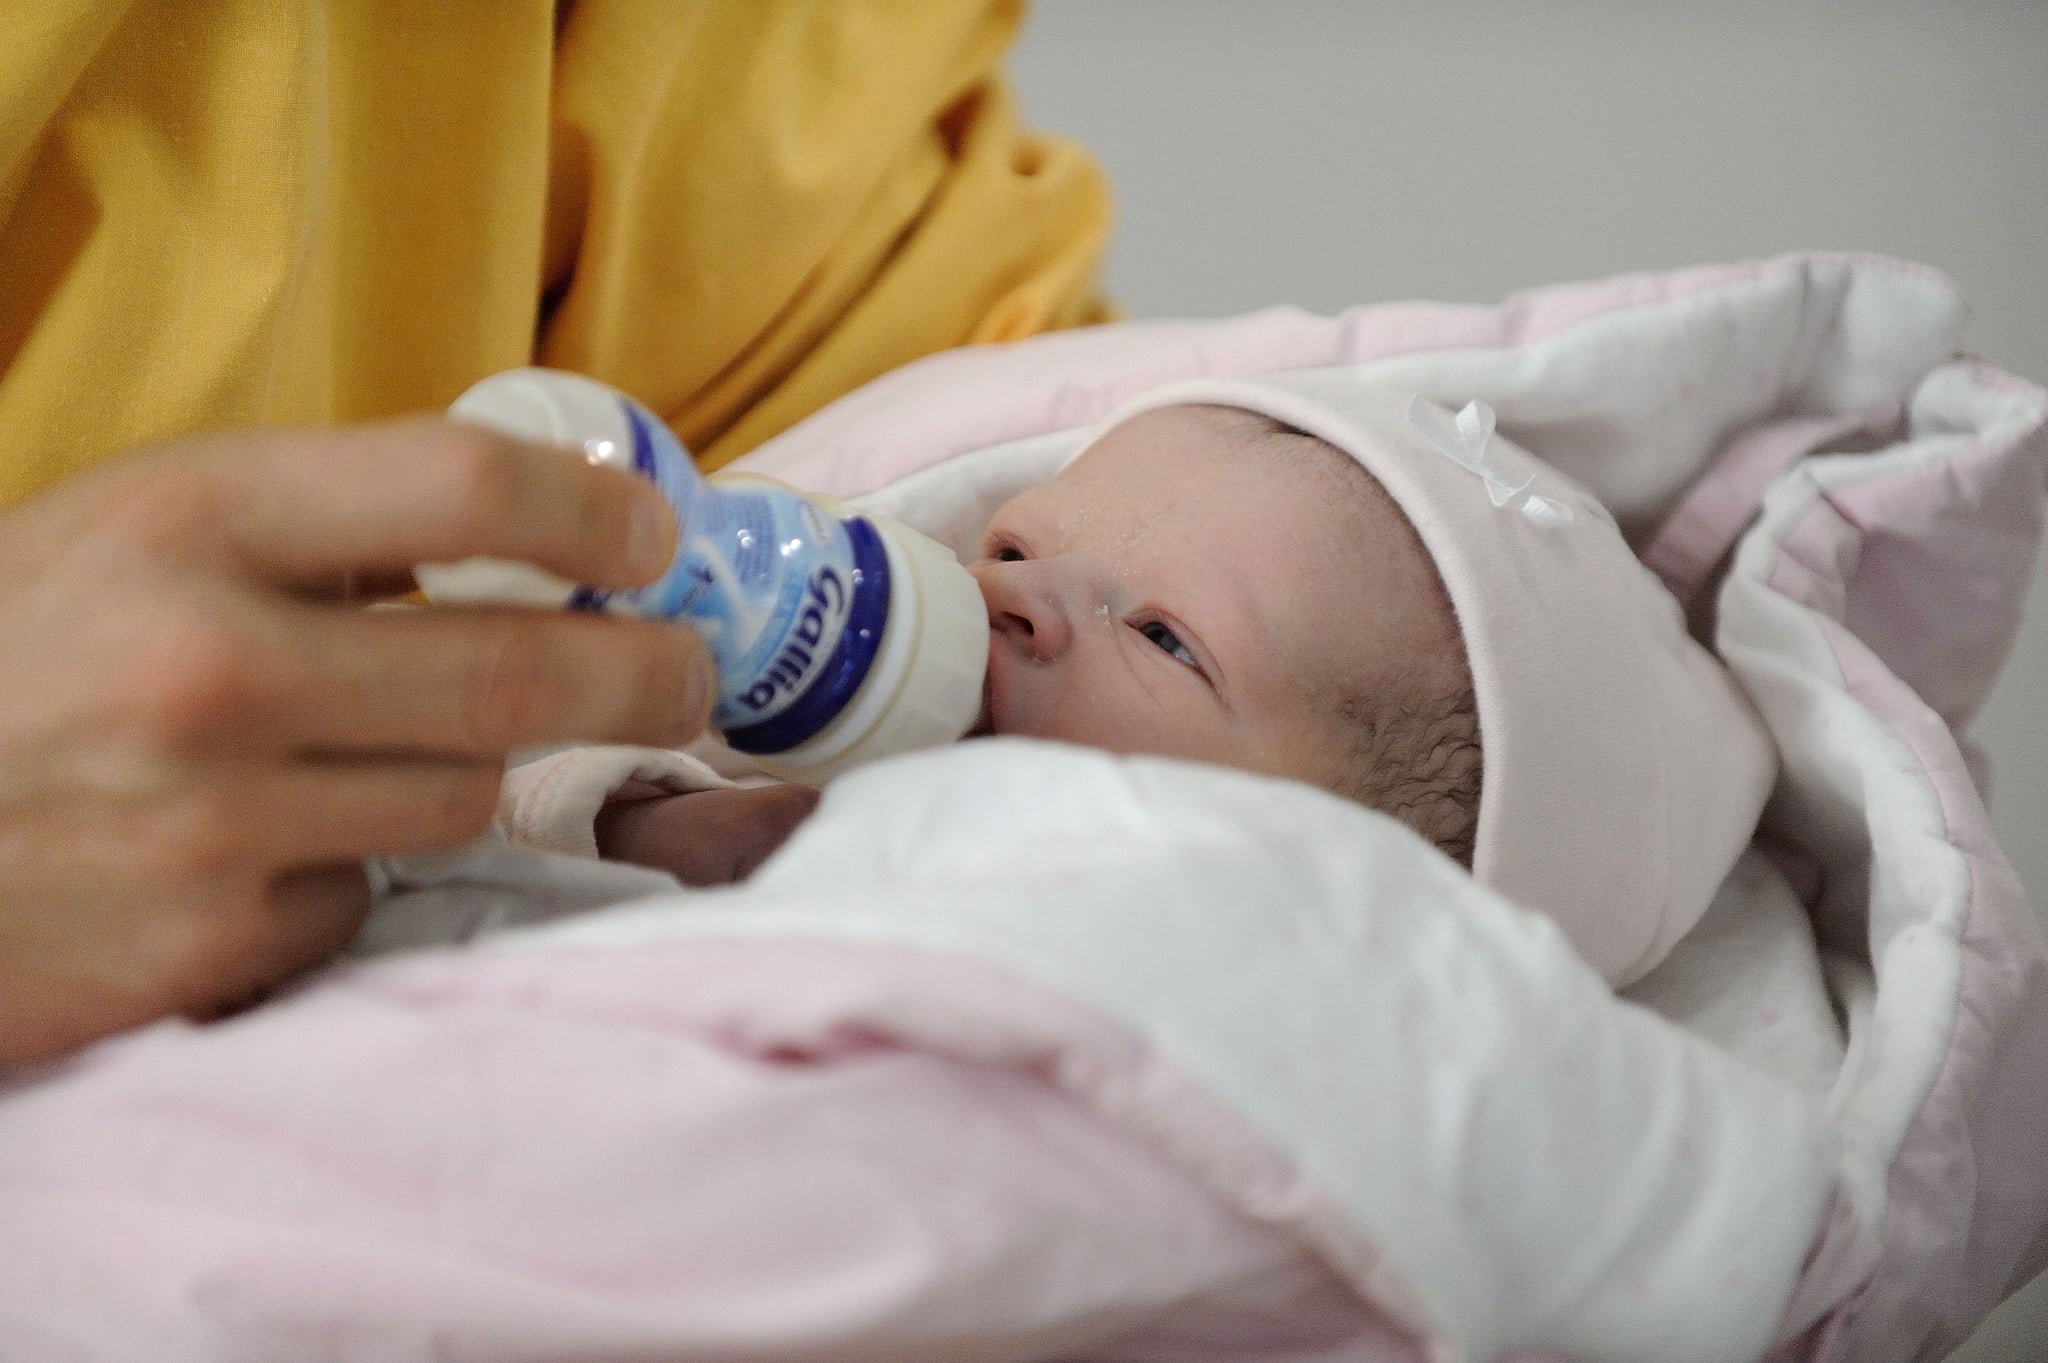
point(1187, 588)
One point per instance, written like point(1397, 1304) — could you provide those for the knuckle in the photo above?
point(514, 693)
point(196, 840)
point(198, 679)
point(146, 508)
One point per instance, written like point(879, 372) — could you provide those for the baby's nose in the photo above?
point(1024, 607)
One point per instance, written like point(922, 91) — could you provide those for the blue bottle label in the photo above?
point(767, 580)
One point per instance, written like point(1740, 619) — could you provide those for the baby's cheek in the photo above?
point(1151, 731)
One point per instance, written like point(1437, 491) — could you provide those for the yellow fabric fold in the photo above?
point(262, 211)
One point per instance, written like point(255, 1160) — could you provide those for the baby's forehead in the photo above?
point(1311, 494)
point(1257, 444)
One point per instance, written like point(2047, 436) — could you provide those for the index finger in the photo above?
point(312, 505)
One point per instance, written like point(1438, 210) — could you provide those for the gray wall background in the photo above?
point(1331, 152)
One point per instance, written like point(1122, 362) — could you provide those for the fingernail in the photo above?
point(650, 538)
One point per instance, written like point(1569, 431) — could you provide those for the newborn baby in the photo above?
point(1208, 582)
point(1311, 577)
point(1203, 582)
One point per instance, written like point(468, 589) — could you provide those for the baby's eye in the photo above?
point(1159, 634)
point(1001, 548)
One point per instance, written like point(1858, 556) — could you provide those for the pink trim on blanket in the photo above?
point(1963, 1186)
point(1857, 558)
point(1831, 1286)
point(1711, 516)
point(1935, 596)
point(1929, 596)
point(216, 1183)
point(833, 994)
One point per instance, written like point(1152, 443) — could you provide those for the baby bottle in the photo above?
point(838, 638)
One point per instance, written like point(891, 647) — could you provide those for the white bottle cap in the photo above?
point(549, 407)
point(924, 688)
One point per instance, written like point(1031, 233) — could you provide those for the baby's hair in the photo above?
point(1408, 747)
point(1416, 756)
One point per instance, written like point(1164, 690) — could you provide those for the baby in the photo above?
point(1311, 579)
point(1211, 583)
point(1203, 582)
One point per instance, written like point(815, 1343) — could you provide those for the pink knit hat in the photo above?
point(1624, 771)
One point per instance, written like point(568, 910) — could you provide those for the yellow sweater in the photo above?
point(265, 211)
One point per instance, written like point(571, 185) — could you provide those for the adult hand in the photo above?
point(200, 737)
